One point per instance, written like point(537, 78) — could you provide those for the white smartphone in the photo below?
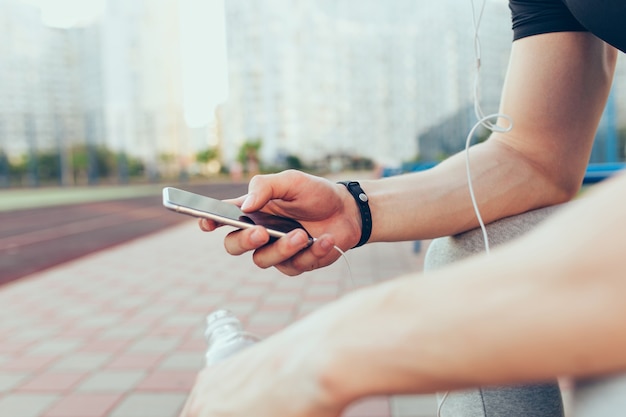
point(200, 206)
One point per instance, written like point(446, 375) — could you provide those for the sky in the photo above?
point(68, 13)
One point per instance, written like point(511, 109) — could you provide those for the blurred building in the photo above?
point(114, 83)
point(49, 83)
point(319, 77)
point(310, 78)
point(142, 81)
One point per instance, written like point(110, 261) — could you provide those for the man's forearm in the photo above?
point(412, 206)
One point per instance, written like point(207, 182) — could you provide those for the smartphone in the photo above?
point(200, 206)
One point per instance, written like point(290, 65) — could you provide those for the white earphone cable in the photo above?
point(484, 121)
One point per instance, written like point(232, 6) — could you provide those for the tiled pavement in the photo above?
point(120, 333)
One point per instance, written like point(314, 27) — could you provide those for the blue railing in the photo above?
point(595, 172)
point(601, 171)
point(407, 167)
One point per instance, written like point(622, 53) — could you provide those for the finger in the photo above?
point(245, 240)
point(207, 225)
point(263, 188)
point(282, 250)
point(320, 253)
point(237, 201)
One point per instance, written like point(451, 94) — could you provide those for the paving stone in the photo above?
point(13, 347)
point(130, 361)
point(155, 345)
point(239, 308)
point(369, 407)
point(9, 380)
point(414, 405)
point(270, 318)
point(281, 298)
point(105, 345)
point(124, 331)
point(292, 285)
point(52, 382)
point(83, 405)
point(102, 320)
point(33, 334)
point(155, 311)
point(325, 290)
point(164, 380)
point(30, 363)
point(82, 361)
point(56, 346)
point(184, 319)
point(77, 311)
point(112, 381)
point(183, 360)
point(26, 405)
point(149, 404)
point(193, 344)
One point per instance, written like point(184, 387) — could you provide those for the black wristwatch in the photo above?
point(362, 203)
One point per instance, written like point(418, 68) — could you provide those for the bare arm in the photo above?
point(555, 90)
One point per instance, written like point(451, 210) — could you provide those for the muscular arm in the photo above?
point(555, 90)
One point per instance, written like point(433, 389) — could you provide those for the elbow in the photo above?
point(555, 176)
point(569, 189)
point(561, 185)
point(562, 195)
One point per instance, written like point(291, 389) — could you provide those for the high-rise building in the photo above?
point(50, 83)
point(309, 78)
point(116, 83)
point(142, 82)
point(318, 77)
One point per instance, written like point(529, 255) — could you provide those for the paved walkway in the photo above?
point(120, 333)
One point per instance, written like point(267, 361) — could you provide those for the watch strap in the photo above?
point(362, 202)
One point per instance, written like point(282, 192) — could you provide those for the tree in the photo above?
point(621, 140)
point(249, 155)
point(207, 155)
point(5, 168)
point(293, 162)
point(49, 166)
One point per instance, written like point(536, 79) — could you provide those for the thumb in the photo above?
point(251, 203)
point(264, 188)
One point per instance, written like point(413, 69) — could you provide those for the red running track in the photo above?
point(38, 238)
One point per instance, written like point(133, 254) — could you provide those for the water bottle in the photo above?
point(225, 336)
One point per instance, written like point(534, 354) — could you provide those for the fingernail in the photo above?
point(298, 239)
point(204, 225)
point(257, 237)
point(325, 244)
point(248, 202)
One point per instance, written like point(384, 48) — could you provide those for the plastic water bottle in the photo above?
point(225, 336)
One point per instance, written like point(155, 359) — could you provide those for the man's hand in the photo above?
point(326, 210)
point(281, 376)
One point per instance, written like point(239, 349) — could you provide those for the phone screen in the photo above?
point(225, 213)
point(202, 203)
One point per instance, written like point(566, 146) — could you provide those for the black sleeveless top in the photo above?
point(604, 18)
